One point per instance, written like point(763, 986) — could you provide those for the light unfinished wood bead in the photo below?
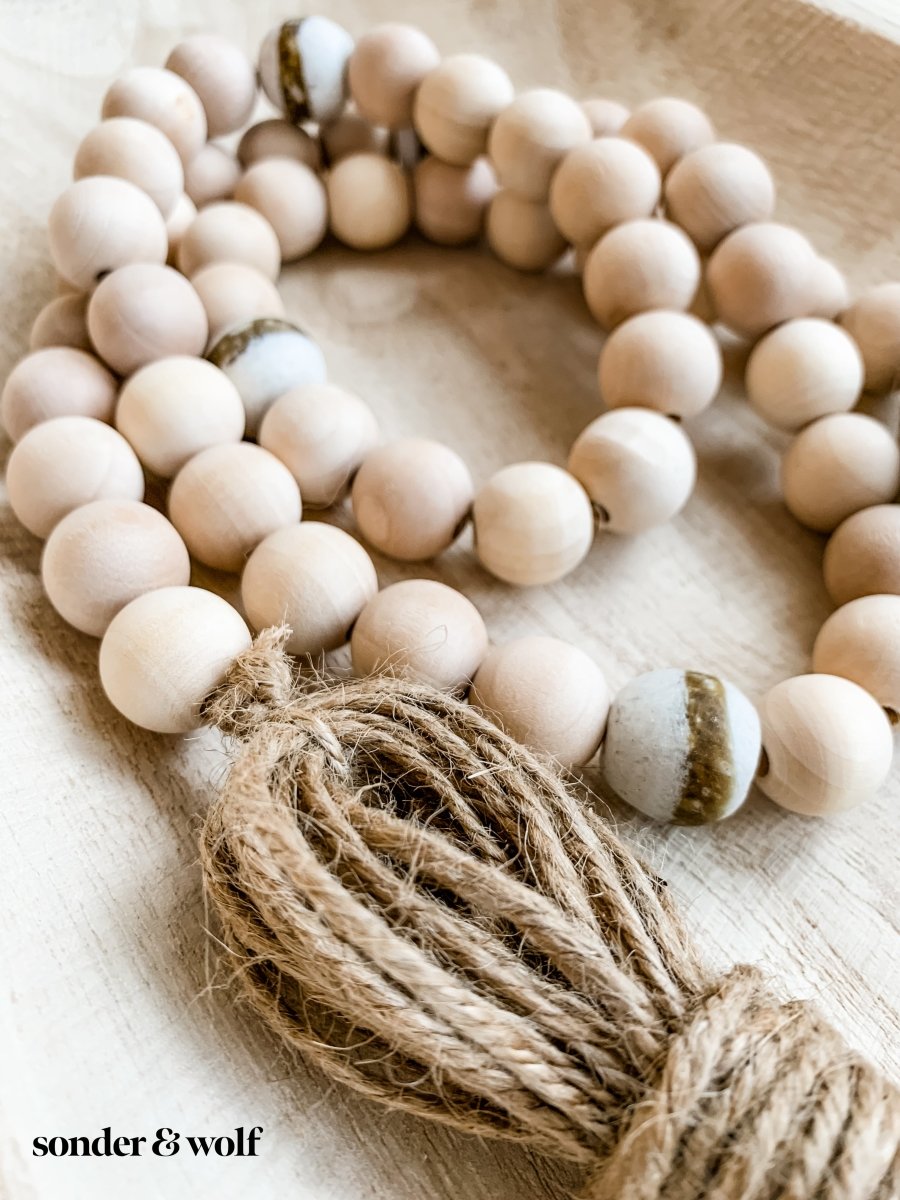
point(522, 233)
point(230, 232)
point(57, 381)
point(385, 69)
point(862, 557)
point(456, 104)
point(669, 361)
point(830, 293)
point(234, 294)
point(873, 322)
point(606, 117)
point(165, 652)
point(180, 220)
point(211, 176)
point(601, 184)
point(303, 68)
point(531, 136)
point(828, 745)
point(638, 266)
point(277, 138)
point(352, 134)
point(861, 642)
point(312, 577)
point(293, 200)
point(163, 99)
point(222, 76)
point(62, 322)
point(126, 148)
point(668, 128)
point(451, 202)
point(716, 189)
point(762, 275)
point(369, 202)
point(64, 463)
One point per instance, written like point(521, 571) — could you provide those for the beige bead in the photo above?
point(303, 68)
point(276, 138)
point(451, 202)
point(761, 275)
point(531, 136)
point(369, 202)
point(669, 128)
point(862, 557)
point(163, 99)
point(165, 652)
point(411, 498)
point(126, 148)
point(873, 321)
point(175, 407)
point(827, 745)
point(830, 293)
point(322, 434)
point(522, 233)
point(861, 642)
point(669, 361)
point(802, 370)
point(211, 176)
point(456, 104)
point(716, 189)
point(352, 134)
point(222, 76)
point(230, 232)
point(422, 631)
point(639, 266)
point(62, 322)
point(386, 67)
point(101, 223)
point(314, 578)
point(601, 184)
point(292, 198)
point(233, 294)
point(226, 499)
point(58, 381)
point(606, 117)
point(64, 463)
point(837, 466)
point(533, 523)
point(143, 312)
point(180, 220)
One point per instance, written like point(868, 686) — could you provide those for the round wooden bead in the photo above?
point(165, 652)
point(58, 381)
point(163, 99)
point(211, 176)
point(802, 370)
point(873, 322)
point(451, 202)
point(230, 232)
point(226, 499)
point(861, 642)
point(669, 128)
point(637, 466)
point(352, 134)
point(828, 745)
point(639, 266)
point(837, 466)
point(830, 293)
point(531, 136)
point(322, 434)
point(411, 497)
point(222, 76)
point(101, 223)
point(276, 138)
point(669, 361)
point(385, 69)
point(601, 184)
point(422, 631)
point(862, 557)
point(761, 275)
point(143, 312)
point(64, 463)
point(233, 294)
point(716, 189)
point(303, 68)
point(369, 201)
point(533, 523)
point(456, 104)
point(62, 322)
point(522, 233)
point(175, 407)
point(292, 198)
point(127, 148)
point(180, 220)
point(606, 117)
point(681, 746)
point(314, 578)
point(546, 694)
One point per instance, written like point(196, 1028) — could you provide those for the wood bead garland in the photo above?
point(531, 136)
point(601, 184)
point(58, 381)
point(862, 557)
point(668, 128)
point(223, 77)
point(638, 266)
point(369, 202)
point(385, 70)
point(715, 189)
point(163, 99)
point(126, 148)
point(456, 104)
point(230, 232)
point(293, 200)
point(861, 642)
point(762, 275)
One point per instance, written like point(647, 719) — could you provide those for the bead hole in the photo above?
point(762, 769)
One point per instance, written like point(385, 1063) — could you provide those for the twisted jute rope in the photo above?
point(423, 907)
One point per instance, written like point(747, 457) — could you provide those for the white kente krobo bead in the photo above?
point(861, 642)
point(303, 68)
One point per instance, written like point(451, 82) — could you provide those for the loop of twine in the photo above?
point(423, 908)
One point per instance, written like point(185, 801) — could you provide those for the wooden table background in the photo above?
point(111, 1010)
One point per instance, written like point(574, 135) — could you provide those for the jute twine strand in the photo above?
point(423, 908)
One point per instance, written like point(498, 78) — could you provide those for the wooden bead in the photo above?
point(58, 381)
point(716, 189)
point(226, 499)
point(211, 176)
point(606, 117)
point(422, 631)
point(828, 745)
point(639, 266)
point(165, 652)
point(163, 99)
point(531, 136)
point(637, 466)
point(873, 322)
point(837, 466)
point(180, 220)
point(172, 409)
point(386, 67)
point(303, 68)
point(546, 694)
point(64, 463)
point(352, 134)
point(222, 76)
point(456, 104)
point(861, 642)
point(369, 201)
point(862, 557)
point(669, 361)
point(230, 232)
point(681, 746)
point(533, 523)
point(276, 138)
point(451, 202)
point(522, 233)
point(322, 434)
point(62, 322)
point(601, 184)
point(830, 293)
point(761, 275)
point(292, 198)
point(233, 294)
point(411, 497)
point(314, 578)
point(669, 128)
point(143, 312)
point(127, 148)
point(802, 370)
point(101, 223)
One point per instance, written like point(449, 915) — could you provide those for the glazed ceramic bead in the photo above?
point(830, 293)
point(522, 233)
point(143, 312)
point(230, 232)
point(546, 694)
point(101, 223)
point(352, 134)
point(828, 745)
point(669, 128)
point(172, 409)
point(637, 466)
point(714, 190)
point(601, 184)
point(126, 148)
point(163, 99)
point(292, 198)
point(276, 138)
point(411, 497)
point(314, 578)
point(669, 361)
point(58, 381)
point(211, 176)
point(226, 499)
point(233, 294)
point(303, 68)
point(180, 220)
point(531, 136)
point(165, 652)
point(64, 463)
point(861, 642)
point(533, 523)
point(451, 202)
point(606, 117)
point(802, 370)
point(873, 322)
point(862, 557)
point(422, 631)
point(222, 76)
point(62, 322)
point(638, 266)
point(369, 202)
point(322, 434)
point(456, 104)
point(385, 69)
point(681, 746)
point(837, 466)
point(761, 275)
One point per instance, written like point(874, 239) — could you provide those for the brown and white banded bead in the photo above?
point(303, 68)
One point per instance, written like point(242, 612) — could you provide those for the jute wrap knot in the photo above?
point(425, 909)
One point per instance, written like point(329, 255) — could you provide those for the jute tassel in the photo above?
point(422, 907)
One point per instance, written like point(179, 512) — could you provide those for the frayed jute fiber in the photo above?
point(424, 908)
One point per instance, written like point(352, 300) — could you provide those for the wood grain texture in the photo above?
point(114, 1005)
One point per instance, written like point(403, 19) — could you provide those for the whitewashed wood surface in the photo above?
point(110, 1009)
